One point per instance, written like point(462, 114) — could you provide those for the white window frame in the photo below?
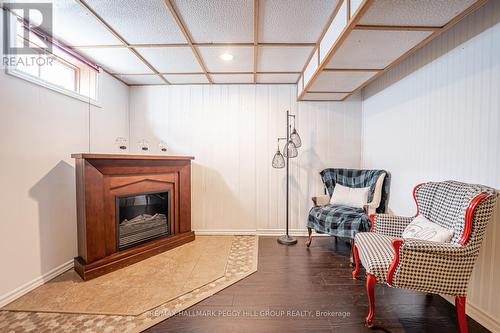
point(24, 76)
point(13, 71)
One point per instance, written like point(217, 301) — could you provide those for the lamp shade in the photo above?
point(290, 150)
point(295, 138)
point(278, 160)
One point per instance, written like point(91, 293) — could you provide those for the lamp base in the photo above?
point(287, 240)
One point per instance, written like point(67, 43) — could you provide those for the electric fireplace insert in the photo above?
point(141, 217)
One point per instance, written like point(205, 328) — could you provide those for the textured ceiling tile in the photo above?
point(116, 60)
point(186, 78)
point(413, 13)
point(140, 22)
point(171, 59)
point(282, 58)
point(277, 78)
point(294, 21)
point(242, 61)
point(74, 25)
point(141, 79)
point(232, 78)
point(362, 49)
point(341, 81)
point(324, 96)
point(217, 21)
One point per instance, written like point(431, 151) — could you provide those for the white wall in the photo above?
point(39, 129)
point(231, 130)
point(111, 119)
point(436, 116)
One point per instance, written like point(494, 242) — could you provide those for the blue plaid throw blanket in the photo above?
point(345, 221)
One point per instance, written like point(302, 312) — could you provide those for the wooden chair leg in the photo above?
point(461, 316)
point(371, 281)
point(309, 238)
point(355, 254)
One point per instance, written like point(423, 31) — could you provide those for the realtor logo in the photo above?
point(35, 17)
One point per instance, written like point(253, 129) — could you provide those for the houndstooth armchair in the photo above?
point(440, 268)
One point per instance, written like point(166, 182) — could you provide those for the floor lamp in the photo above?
point(289, 151)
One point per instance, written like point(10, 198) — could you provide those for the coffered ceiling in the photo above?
point(329, 48)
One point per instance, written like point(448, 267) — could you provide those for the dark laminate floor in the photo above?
point(294, 279)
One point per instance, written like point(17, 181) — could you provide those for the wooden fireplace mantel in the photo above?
point(131, 157)
point(100, 179)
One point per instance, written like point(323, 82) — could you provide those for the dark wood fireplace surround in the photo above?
point(102, 177)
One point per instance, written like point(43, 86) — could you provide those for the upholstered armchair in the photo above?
point(431, 267)
point(341, 220)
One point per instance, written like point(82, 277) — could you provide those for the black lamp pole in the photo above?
point(287, 239)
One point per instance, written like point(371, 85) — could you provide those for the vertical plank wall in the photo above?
point(436, 116)
point(231, 130)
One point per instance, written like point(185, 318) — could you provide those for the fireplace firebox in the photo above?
point(141, 217)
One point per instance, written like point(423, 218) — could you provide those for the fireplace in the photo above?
point(141, 217)
point(129, 208)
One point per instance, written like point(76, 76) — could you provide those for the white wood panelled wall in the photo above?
point(39, 130)
point(231, 130)
point(436, 116)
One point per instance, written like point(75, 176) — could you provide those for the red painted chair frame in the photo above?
point(372, 216)
point(355, 255)
point(371, 280)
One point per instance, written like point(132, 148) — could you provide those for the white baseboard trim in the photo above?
point(27, 287)
point(483, 318)
point(478, 315)
point(279, 232)
point(258, 232)
point(225, 232)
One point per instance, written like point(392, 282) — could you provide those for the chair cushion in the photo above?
point(375, 253)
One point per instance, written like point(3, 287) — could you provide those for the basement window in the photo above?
point(53, 68)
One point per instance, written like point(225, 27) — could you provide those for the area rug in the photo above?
point(136, 288)
point(54, 308)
